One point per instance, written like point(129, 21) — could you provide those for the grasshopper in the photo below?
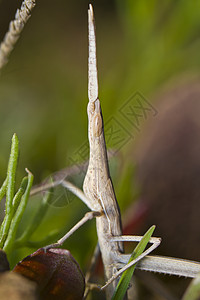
point(98, 187)
point(100, 197)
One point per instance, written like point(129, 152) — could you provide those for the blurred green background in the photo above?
point(141, 45)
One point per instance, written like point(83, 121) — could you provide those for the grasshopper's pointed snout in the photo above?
point(91, 10)
point(92, 61)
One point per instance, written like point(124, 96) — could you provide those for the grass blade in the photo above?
point(127, 275)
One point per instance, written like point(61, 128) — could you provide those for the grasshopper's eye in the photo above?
point(97, 125)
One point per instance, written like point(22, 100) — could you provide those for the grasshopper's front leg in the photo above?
point(88, 216)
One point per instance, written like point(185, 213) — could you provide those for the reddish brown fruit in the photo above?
point(56, 272)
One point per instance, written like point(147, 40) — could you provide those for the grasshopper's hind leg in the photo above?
point(131, 238)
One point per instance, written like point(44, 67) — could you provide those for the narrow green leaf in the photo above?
point(20, 192)
point(8, 218)
point(3, 189)
point(127, 275)
point(11, 172)
point(18, 215)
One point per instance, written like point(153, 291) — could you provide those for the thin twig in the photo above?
point(58, 177)
point(89, 285)
point(15, 28)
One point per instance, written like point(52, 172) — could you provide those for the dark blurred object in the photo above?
point(56, 272)
point(168, 170)
point(4, 264)
point(13, 286)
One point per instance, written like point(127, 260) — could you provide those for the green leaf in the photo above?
point(127, 275)
point(11, 172)
point(3, 189)
point(20, 192)
point(18, 215)
point(12, 166)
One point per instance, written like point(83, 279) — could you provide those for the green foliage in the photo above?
point(15, 206)
point(17, 215)
point(15, 203)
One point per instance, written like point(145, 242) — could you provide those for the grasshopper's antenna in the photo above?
point(92, 61)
